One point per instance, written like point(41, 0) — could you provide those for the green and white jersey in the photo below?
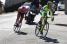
point(44, 11)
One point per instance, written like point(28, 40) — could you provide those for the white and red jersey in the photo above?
point(24, 8)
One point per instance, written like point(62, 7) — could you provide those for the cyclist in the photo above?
point(36, 6)
point(44, 11)
point(21, 12)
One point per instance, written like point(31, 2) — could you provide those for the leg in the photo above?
point(18, 17)
point(21, 17)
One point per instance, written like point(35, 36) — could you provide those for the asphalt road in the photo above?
point(57, 33)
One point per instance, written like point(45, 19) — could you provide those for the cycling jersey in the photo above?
point(44, 11)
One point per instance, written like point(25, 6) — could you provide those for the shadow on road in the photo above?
point(62, 25)
point(33, 23)
point(47, 39)
point(22, 33)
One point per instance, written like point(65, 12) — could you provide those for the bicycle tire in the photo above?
point(44, 27)
point(37, 30)
point(45, 30)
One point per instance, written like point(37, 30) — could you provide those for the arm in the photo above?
point(51, 14)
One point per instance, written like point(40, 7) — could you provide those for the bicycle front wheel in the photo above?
point(37, 31)
point(45, 30)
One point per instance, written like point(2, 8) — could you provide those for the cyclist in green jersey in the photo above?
point(46, 9)
point(43, 13)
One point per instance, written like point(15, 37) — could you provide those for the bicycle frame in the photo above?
point(43, 22)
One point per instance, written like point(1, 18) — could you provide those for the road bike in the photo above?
point(42, 26)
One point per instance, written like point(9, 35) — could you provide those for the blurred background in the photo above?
point(12, 5)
